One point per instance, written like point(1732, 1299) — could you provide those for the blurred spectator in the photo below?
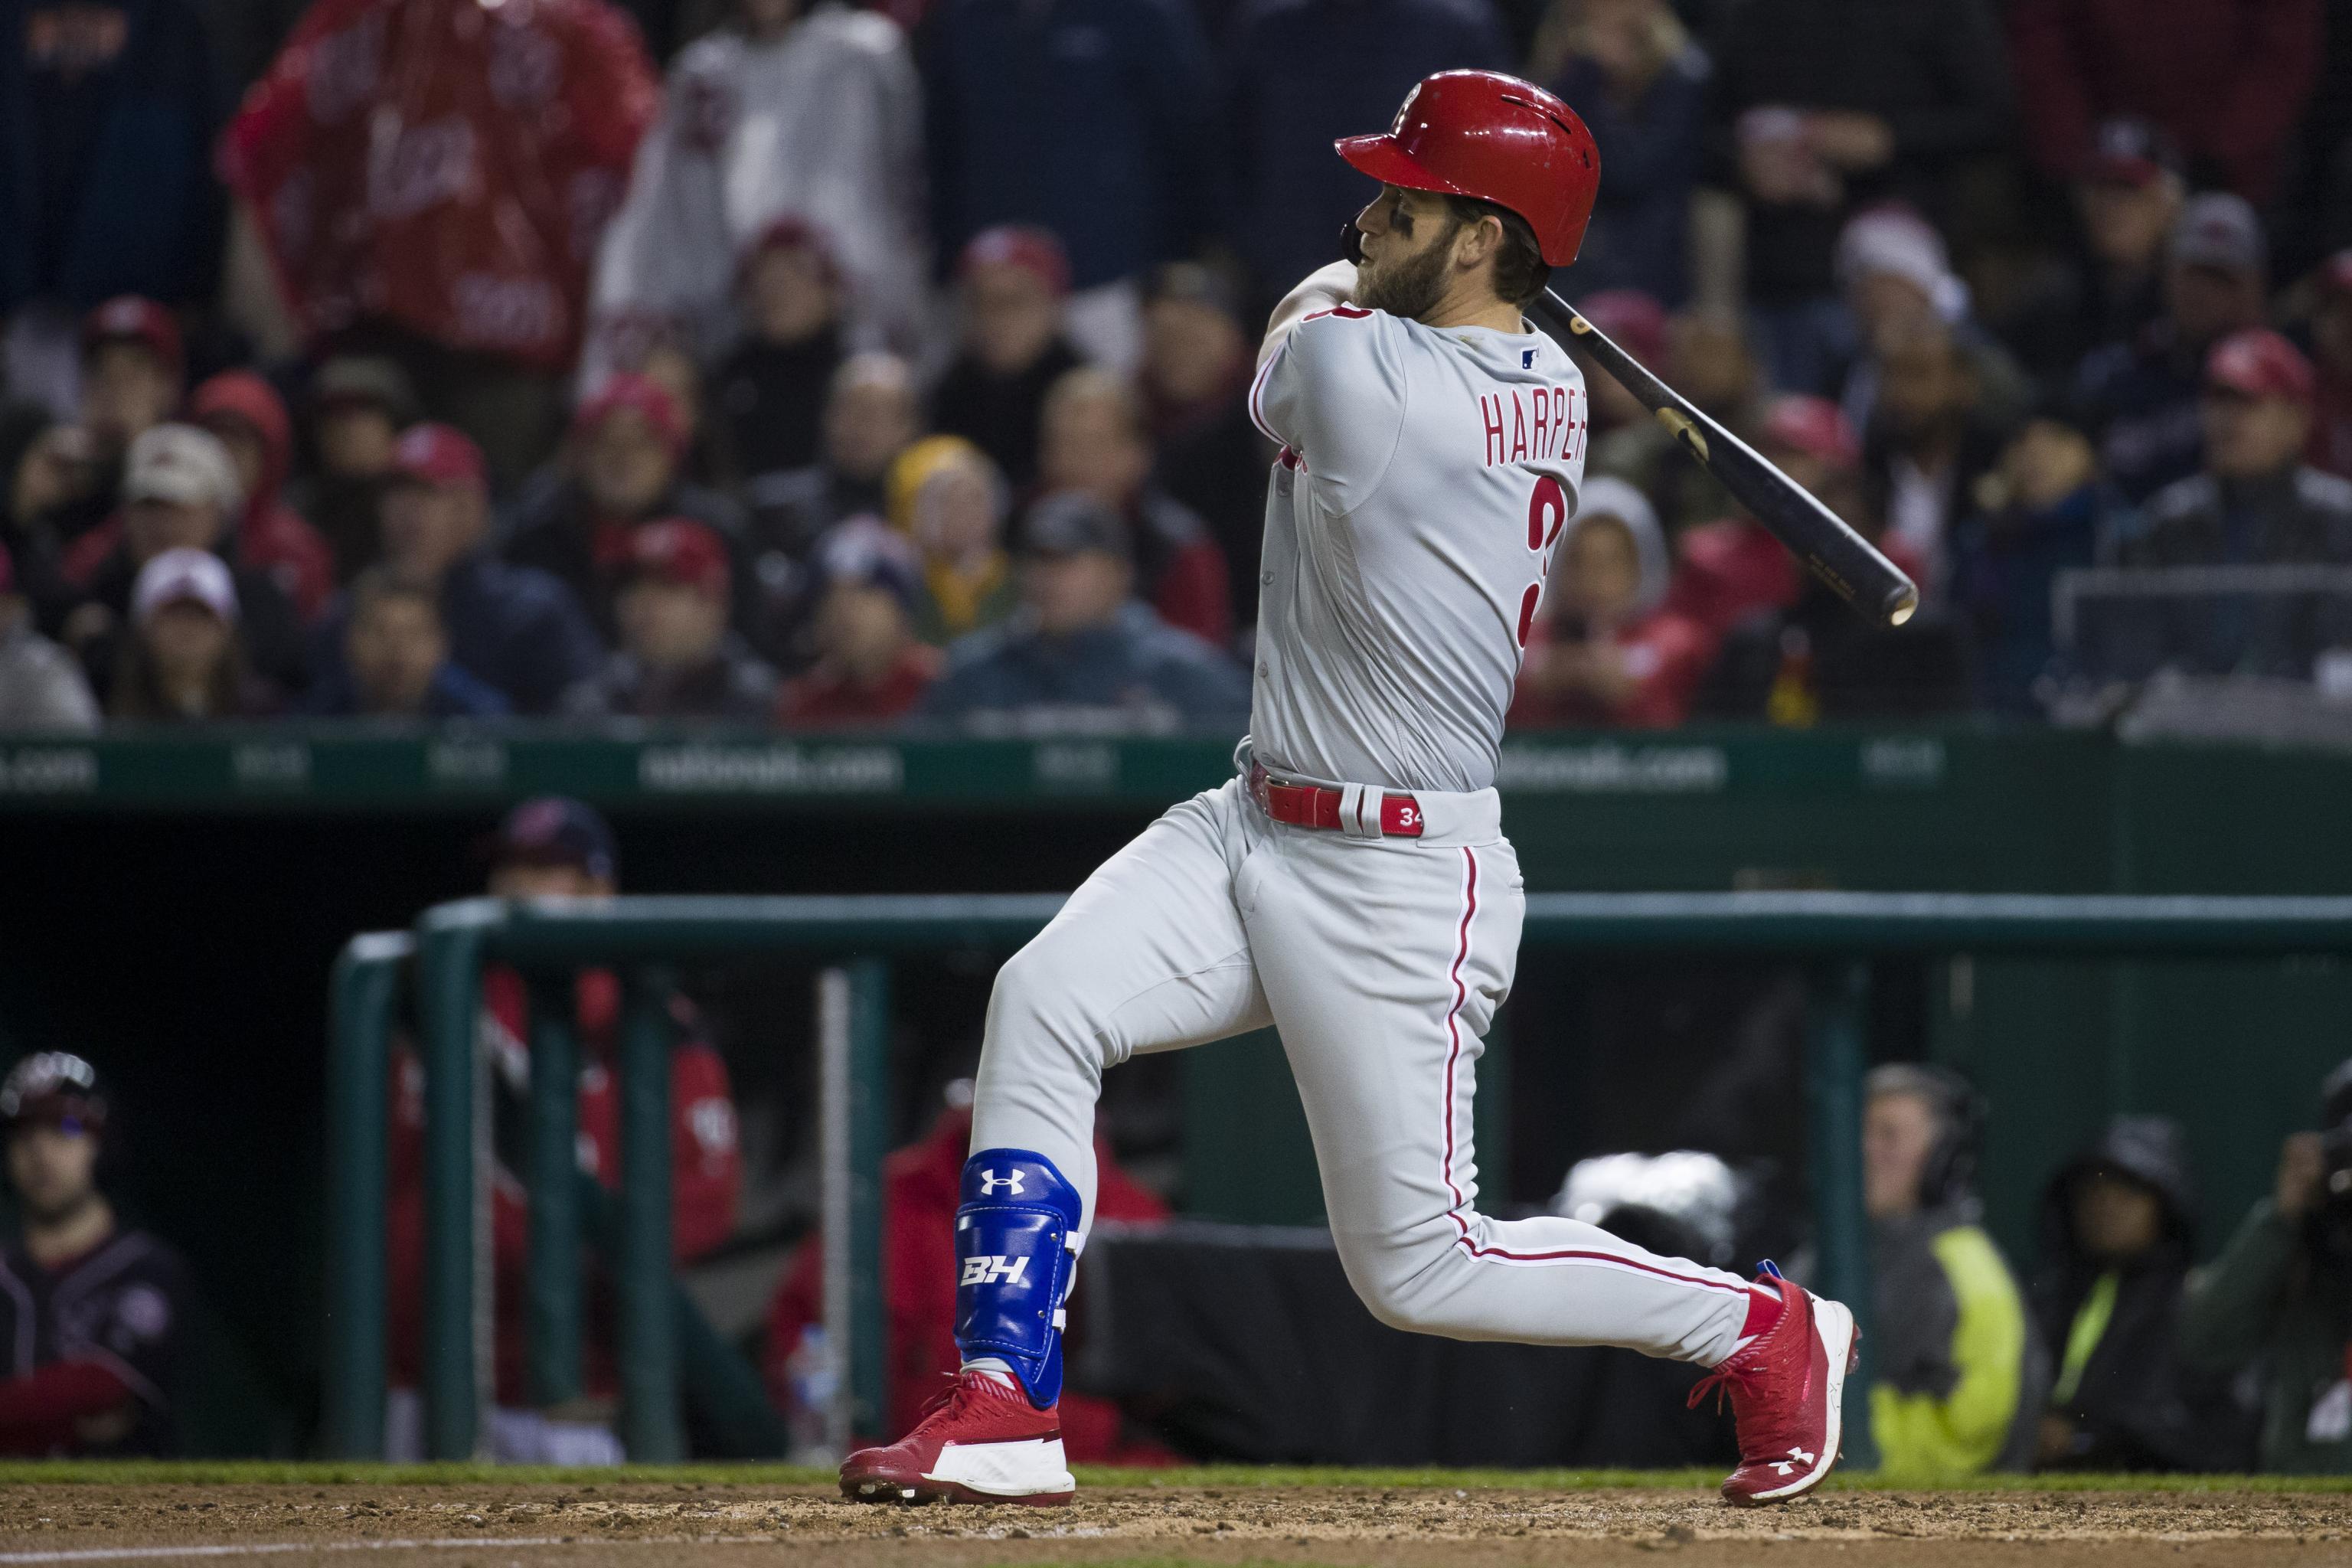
point(1640, 83)
point(2256, 503)
point(2128, 194)
point(1194, 380)
point(179, 490)
point(619, 468)
point(795, 110)
point(1793, 653)
point(2272, 1307)
point(870, 668)
point(872, 413)
point(2227, 78)
point(2043, 509)
point(395, 660)
point(98, 1312)
point(1828, 106)
point(515, 627)
point(949, 499)
point(184, 660)
point(1094, 119)
point(771, 387)
point(1092, 443)
point(2331, 342)
point(1730, 569)
point(554, 847)
point(1014, 284)
point(104, 172)
point(360, 405)
point(2145, 390)
point(1701, 355)
point(1960, 1375)
point(2118, 1231)
point(1899, 280)
point(672, 369)
point(67, 483)
point(251, 419)
point(919, 1188)
point(678, 658)
point(1084, 654)
point(41, 686)
point(134, 370)
point(1927, 442)
point(1299, 74)
point(436, 174)
point(1607, 650)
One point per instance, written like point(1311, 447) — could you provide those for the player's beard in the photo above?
point(1412, 286)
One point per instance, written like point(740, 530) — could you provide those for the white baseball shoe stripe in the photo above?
point(1004, 1469)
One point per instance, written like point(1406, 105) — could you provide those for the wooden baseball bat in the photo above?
point(1848, 562)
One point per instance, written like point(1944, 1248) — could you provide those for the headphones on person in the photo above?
point(1950, 1172)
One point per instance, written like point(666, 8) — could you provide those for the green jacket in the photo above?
point(2263, 1303)
point(1957, 1372)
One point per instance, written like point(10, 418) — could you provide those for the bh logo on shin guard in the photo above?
point(993, 1270)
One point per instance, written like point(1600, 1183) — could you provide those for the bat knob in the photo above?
point(1902, 602)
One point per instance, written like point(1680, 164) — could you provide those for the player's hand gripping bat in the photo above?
point(1848, 562)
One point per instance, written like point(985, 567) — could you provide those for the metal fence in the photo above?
point(642, 937)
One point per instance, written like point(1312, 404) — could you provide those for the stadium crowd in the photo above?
point(446, 360)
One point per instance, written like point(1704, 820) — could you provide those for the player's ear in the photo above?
point(1478, 242)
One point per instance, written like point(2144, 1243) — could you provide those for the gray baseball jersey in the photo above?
point(1426, 476)
point(1425, 479)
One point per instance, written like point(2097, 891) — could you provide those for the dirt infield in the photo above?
point(669, 1525)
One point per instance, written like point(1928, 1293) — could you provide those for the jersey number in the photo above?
point(1547, 515)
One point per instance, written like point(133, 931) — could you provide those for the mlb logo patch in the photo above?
point(1526, 359)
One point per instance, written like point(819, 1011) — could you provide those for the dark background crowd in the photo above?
point(772, 361)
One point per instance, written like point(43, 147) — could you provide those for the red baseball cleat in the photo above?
point(1787, 1389)
point(980, 1441)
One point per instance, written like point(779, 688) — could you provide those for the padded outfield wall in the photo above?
point(172, 906)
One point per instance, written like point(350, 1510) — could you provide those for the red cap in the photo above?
point(129, 317)
point(1813, 426)
point(1485, 134)
point(793, 232)
point(650, 400)
point(438, 455)
point(2260, 364)
point(682, 550)
point(1031, 249)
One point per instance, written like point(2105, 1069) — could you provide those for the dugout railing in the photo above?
point(644, 937)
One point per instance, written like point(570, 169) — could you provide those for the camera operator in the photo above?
point(2279, 1298)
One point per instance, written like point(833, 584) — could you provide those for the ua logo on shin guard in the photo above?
point(1016, 1240)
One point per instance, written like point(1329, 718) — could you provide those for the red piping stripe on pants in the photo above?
point(1452, 1056)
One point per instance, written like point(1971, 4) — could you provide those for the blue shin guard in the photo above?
point(1016, 1253)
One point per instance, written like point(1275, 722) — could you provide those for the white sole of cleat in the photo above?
point(1034, 1472)
point(1840, 1344)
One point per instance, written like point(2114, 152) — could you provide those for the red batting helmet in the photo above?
point(1485, 134)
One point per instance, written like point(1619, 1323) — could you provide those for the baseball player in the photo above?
point(1352, 885)
point(93, 1310)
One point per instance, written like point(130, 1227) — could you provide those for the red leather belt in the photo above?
point(1318, 806)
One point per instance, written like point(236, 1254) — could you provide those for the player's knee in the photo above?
point(1413, 1281)
point(1397, 1289)
point(1034, 1010)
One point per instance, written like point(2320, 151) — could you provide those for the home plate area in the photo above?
point(1143, 1523)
